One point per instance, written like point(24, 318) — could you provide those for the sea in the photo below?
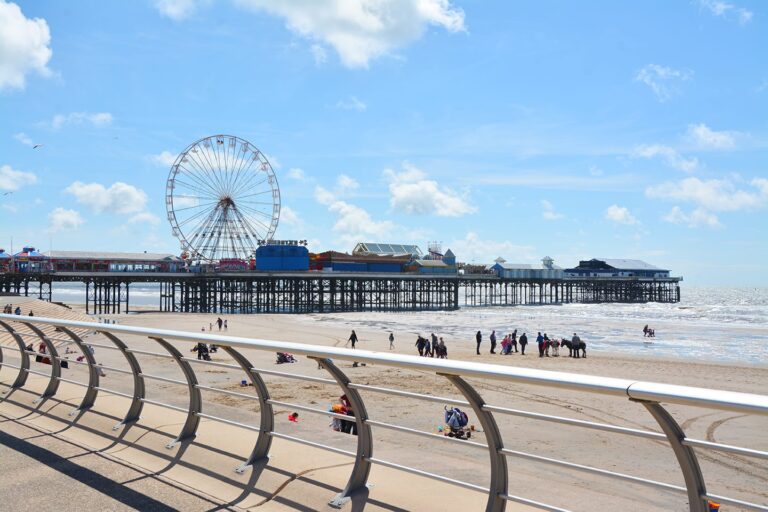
point(709, 323)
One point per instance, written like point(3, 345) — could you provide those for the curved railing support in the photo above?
point(21, 378)
point(359, 478)
point(686, 456)
point(53, 383)
point(93, 372)
point(267, 419)
point(189, 430)
point(499, 472)
point(137, 403)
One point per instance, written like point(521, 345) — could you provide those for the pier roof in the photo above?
point(623, 264)
point(115, 256)
point(383, 249)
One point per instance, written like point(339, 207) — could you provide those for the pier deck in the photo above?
point(320, 292)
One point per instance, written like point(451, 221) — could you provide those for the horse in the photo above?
point(573, 351)
point(555, 345)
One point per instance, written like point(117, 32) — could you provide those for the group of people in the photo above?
point(9, 310)
point(344, 407)
point(222, 324)
point(204, 350)
point(433, 347)
point(548, 347)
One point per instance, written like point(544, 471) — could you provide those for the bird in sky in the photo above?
point(37, 146)
point(7, 193)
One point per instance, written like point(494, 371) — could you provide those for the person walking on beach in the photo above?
point(420, 345)
point(493, 342)
point(391, 341)
point(513, 341)
point(225, 324)
point(434, 345)
point(479, 339)
point(219, 322)
point(442, 350)
point(352, 338)
point(540, 341)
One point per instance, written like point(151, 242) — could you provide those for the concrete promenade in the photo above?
point(51, 460)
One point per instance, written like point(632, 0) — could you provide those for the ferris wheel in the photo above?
point(222, 198)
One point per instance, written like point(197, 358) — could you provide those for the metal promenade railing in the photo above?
point(651, 395)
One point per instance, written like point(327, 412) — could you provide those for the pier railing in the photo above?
point(25, 330)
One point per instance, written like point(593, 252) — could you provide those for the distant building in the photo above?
point(93, 261)
point(381, 249)
point(546, 270)
point(282, 257)
point(5, 261)
point(333, 261)
point(430, 267)
point(608, 267)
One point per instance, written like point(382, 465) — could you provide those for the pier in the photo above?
point(321, 292)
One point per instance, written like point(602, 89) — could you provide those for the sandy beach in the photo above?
point(726, 474)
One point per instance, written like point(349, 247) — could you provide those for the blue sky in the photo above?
point(514, 129)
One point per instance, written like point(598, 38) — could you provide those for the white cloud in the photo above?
point(62, 219)
point(714, 195)
point(352, 223)
point(362, 30)
point(178, 10)
point(670, 156)
point(164, 159)
point(149, 218)
point(548, 211)
point(663, 81)
point(346, 184)
point(620, 215)
point(472, 248)
point(352, 103)
point(23, 138)
point(24, 46)
point(273, 161)
point(119, 198)
point(319, 54)
point(706, 138)
point(289, 216)
point(725, 10)
point(698, 217)
point(12, 180)
point(97, 119)
point(413, 194)
point(296, 174)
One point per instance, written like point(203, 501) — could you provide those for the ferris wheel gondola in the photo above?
point(222, 198)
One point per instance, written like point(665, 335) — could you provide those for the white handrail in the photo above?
point(638, 390)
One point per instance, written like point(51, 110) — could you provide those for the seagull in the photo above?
point(37, 146)
point(7, 193)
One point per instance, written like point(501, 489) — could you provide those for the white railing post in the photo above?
point(358, 479)
point(93, 372)
point(260, 451)
point(189, 430)
point(139, 391)
point(686, 456)
point(499, 473)
point(21, 378)
point(53, 355)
